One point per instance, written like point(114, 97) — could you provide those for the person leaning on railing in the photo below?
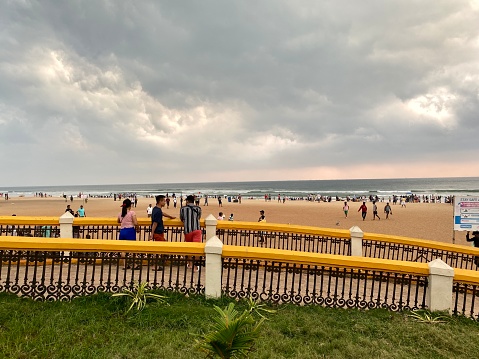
point(128, 226)
point(475, 240)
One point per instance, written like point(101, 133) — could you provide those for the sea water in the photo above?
point(258, 189)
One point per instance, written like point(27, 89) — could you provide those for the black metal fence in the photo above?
point(280, 282)
point(288, 241)
point(47, 231)
point(172, 234)
point(466, 300)
point(66, 275)
point(410, 253)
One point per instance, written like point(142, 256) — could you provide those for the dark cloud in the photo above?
point(91, 88)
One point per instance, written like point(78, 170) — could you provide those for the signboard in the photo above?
point(466, 213)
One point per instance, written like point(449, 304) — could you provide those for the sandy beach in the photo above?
point(432, 221)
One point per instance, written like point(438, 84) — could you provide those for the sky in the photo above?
point(110, 92)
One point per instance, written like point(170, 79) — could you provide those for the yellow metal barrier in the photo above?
point(253, 226)
point(27, 220)
point(98, 245)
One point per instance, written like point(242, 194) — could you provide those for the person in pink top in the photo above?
point(128, 225)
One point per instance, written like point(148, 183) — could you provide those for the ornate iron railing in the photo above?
point(56, 274)
point(332, 281)
point(466, 293)
point(421, 251)
point(47, 231)
point(62, 269)
point(265, 235)
point(281, 282)
point(287, 237)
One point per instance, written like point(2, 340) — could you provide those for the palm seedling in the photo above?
point(139, 296)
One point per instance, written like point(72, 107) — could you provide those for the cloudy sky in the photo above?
point(100, 92)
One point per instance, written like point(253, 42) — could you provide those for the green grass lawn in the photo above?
point(95, 327)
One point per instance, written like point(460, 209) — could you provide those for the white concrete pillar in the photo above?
point(356, 235)
point(213, 250)
point(66, 225)
point(439, 292)
point(210, 223)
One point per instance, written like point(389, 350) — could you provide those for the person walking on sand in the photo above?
point(375, 211)
point(220, 201)
point(157, 227)
point(128, 227)
point(346, 209)
point(387, 210)
point(364, 210)
point(149, 210)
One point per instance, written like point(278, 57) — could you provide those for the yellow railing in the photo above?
point(98, 245)
point(254, 226)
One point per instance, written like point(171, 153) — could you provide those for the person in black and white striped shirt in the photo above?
point(190, 216)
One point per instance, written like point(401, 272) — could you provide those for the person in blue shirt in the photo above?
point(81, 211)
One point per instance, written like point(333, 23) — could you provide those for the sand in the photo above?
point(432, 221)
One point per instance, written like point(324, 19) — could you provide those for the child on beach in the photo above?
point(346, 209)
point(231, 217)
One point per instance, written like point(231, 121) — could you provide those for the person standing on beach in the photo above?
point(81, 211)
point(157, 227)
point(346, 209)
point(220, 201)
point(149, 210)
point(128, 227)
point(475, 240)
point(206, 200)
point(69, 210)
point(364, 210)
point(403, 202)
point(387, 210)
point(262, 218)
point(190, 216)
point(375, 211)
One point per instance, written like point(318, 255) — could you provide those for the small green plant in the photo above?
point(139, 296)
point(260, 309)
point(425, 316)
point(234, 333)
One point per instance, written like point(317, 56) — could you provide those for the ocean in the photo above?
point(341, 188)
